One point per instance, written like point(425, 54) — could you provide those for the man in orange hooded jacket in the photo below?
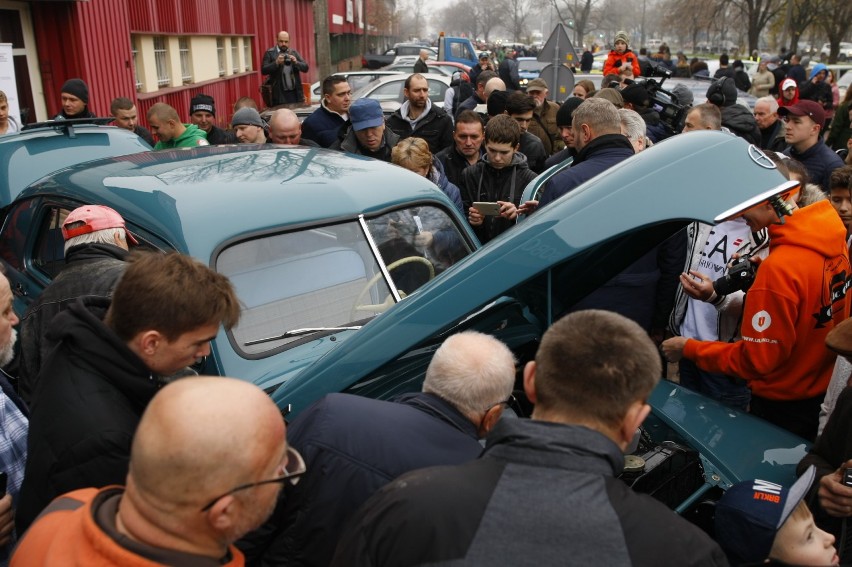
point(798, 296)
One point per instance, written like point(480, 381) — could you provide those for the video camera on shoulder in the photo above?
point(740, 276)
point(672, 114)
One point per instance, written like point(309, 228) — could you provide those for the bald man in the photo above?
point(285, 128)
point(283, 66)
point(200, 477)
point(468, 384)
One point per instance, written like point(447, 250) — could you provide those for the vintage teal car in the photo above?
point(352, 272)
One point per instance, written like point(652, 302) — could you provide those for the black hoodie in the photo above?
point(90, 396)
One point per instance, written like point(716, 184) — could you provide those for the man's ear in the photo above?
point(222, 515)
point(529, 382)
point(633, 418)
point(148, 342)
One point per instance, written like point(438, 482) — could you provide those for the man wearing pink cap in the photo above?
point(96, 244)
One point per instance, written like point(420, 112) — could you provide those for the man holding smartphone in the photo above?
point(283, 66)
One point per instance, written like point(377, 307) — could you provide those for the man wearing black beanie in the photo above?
point(75, 100)
point(202, 113)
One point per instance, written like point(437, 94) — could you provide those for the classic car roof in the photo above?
point(178, 195)
point(27, 156)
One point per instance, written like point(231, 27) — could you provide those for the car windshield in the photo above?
point(531, 65)
point(332, 276)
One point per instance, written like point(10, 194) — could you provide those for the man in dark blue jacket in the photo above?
point(353, 445)
point(599, 143)
point(802, 130)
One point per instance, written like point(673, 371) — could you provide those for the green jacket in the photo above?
point(192, 137)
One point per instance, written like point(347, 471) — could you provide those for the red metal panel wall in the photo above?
point(91, 40)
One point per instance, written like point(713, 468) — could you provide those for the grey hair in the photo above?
point(599, 114)
point(773, 104)
point(472, 371)
point(105, 236)
point(632, 123)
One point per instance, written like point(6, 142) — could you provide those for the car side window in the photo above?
point(389, 91)
point(13, 238)
point(49, 251)
point(437, 90)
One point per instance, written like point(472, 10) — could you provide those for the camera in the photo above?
point(740, 276)
point(846, 480)
point(672, 114)
point(286, 54)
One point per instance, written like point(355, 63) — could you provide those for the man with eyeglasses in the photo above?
point(197, 482)
point(353, 445)
point(545, 490)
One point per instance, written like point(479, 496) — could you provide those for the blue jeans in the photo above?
point(731, 391)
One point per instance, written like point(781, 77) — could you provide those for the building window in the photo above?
point(235, 55)
point(185, 66)
point(247, 53)
point(134, 50)
point(220, 51)
point(161, 60)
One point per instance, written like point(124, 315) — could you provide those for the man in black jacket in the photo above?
point(466, 149)
point(202, 113)
point(96, 243)
point(284, 66)
point(735, 117)
point(353, 445)
point(544, 491)
point(110, 360)
point(419, 117)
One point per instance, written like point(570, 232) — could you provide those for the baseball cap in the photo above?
point(536, 85)
point(805, 108)
point(787, 83)
point(366, 113)
point(750, 514)
point(483, 56)
point(94, 217)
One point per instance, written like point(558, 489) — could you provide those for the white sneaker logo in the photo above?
point(761, 321)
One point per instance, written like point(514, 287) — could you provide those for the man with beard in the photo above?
point(419, 117)
point(189, 492)
point(543, 124)
point(202, 113)
point(14, 424)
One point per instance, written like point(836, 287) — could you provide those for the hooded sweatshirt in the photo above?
point(193, 136)
point(482, 182)
point(818, 92)
point(798, 296)
point(91, 394)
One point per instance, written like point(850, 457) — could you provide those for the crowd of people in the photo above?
point(116, 453)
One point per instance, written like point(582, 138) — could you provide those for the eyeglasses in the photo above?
point(510, 402)
point(295, 468)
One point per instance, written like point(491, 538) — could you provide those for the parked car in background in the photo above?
point(356, 79)
point(439, 67)
point(845, 53)
point(389, 88)
point(843, 83)
point(529, 68)
point(375, 61)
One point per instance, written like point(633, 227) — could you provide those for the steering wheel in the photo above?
point(389, 301)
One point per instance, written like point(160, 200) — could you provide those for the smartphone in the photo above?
point(487, 209)
point(4, 478)
point(847, 477)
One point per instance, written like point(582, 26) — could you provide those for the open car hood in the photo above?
point(615, 217)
